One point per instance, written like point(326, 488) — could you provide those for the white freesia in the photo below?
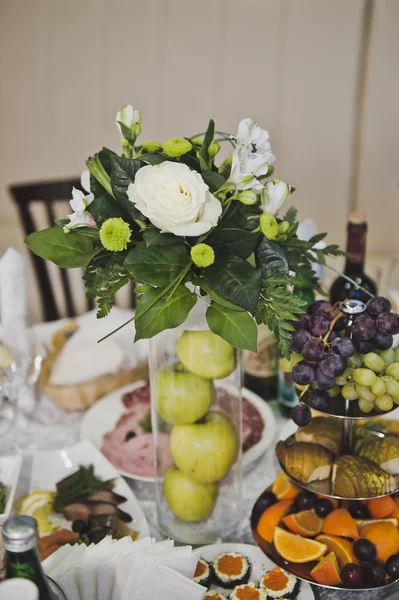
point(80, 201)
point(128, 116)
point(175, 199)
point(274, 194)
point(80, 218)
point(252, 156)
point(85, 181)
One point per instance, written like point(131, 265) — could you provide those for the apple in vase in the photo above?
point(205, 451)
point(182, 397)
point(187, 499)
point(206, 354)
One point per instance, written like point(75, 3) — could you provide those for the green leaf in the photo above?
point(153, 237)
point(67, 250)
point(291, 215)
point(156, 265)
point(123, 173)
point(205, 285)
point(271, 257)
point(105, 156)
point(105, 207)
point(203, 154)
point(213, 180)
point(237, 281)
point(317, 238)
point(127, 133)
point(103, 278)
point(237, 328)
point(169, 311)
point(233, 240)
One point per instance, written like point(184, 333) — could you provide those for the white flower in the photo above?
point(274, 195)
point(85, 181)
point(128, 116)
point(252, 156)
point(80, 201)
point(80, 218)
point(175, 199)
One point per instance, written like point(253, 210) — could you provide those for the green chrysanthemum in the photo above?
point(268, 226)
point(197, 141)
point(202, 255)
point(152, 146)
point(115, 234)
point(177, 147)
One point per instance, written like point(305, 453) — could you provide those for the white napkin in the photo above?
point(162, 583)
point(87, 570)
point(13, 300)
point(82, 358)
point(65, 573)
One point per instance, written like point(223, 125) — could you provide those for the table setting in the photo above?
point(134, 462)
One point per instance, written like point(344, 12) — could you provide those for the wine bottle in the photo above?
point(341, 288)
point(260, 368)
point(20, 539)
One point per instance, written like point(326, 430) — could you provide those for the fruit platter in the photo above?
point(332, 515)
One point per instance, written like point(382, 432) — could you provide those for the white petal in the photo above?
point(212, 209)
point(85, 180)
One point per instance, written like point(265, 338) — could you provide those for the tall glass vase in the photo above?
point(196, 423)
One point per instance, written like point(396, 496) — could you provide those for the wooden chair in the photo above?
point(47, 193)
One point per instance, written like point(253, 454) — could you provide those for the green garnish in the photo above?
point(146, 423)
point(82, 483)
point(3, 501)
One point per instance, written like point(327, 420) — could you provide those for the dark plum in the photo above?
point(340, 324)
point(300, 337)
point(305, 500)
point(319, 307)
point(265, 500)
point(303, 373)
point(382, 340)
point(333, 364)
point(365, 550)
point(388, 323)
point(343, 346)
point(364, 346)
point(364, 328)
point(392, 566)
point(313, 351)
point(323, 380)
point(359, 510)
point(319, 400)
point(333, 335)
point(376, 573)
point(301, 415)
point(323, 507)
point(352, 576)
point(303, 322)
point(378, 305)
point(319, 325)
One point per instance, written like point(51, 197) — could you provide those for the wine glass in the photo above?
point(20, 364)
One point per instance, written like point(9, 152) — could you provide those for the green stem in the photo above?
point(350, 280)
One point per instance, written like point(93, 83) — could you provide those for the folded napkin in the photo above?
point(13, 300)
point(123, 569)
point(83, 359)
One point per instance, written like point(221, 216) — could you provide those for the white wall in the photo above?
point(294, 65)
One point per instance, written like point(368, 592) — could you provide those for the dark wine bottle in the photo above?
point(341, 288)
point(20, 539)
point(260, 368)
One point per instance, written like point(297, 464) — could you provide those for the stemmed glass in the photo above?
point(20, 363)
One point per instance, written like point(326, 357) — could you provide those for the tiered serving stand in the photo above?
point(349, 412)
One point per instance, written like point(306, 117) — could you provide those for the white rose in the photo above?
point(175, 199)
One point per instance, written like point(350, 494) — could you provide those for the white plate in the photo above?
point(102, 417)
point(289, 428)
point(260, 564)
point(50, 467)
point(10, 468)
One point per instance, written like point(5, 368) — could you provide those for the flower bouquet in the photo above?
point(165, 215)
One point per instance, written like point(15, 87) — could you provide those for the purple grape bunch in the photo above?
point(326, 353)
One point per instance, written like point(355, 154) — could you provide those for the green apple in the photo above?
point(188, 500)
point(206, 354)
point(205, 451)
point(182, 397)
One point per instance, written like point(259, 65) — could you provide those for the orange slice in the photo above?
point(306, 523)
point(342, 548)
point(385, 538)
point(271, 518)
point(395, 514)
point(283, 487)
point(340, 522)
point(379, 508)
point(326, 571)
point(296, 548)
point(360, 523)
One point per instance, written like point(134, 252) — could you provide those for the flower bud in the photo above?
point(247, 197)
